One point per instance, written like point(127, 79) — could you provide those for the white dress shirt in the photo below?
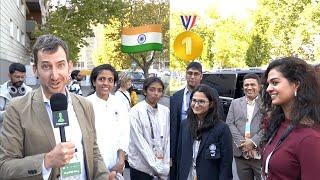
point(112, 127)
point(185, 103)
point(73, 134)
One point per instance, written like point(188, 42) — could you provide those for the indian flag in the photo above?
point(142, 38)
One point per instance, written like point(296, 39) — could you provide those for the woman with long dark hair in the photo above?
point(205, 142)
point(292, 99)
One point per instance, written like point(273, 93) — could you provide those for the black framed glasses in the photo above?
point(201, 102)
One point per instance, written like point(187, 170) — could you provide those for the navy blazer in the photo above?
point(214, 159)
point(175, 119)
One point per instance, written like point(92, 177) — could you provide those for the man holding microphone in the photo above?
point(30, 145)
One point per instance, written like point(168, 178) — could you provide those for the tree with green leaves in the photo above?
point(141, 13)
point(73, 21)
point(135, 13)
point(291, 28)
point(258, 52)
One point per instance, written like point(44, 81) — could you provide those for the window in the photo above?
point(80, 65)
point(22, 39)
point(18, 34)
point(11, 28)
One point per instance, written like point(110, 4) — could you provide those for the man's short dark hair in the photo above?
point(17, 67)
point(48, 43)
point(252, 76)
point(194, 65)
point(74, 74)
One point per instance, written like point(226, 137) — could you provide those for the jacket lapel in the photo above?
point(42, 116)
point(179, 104)
point(256, 108)
point(243, 107)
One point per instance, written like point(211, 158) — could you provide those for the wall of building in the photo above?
point(12, 35)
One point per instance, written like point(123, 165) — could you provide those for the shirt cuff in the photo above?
point(45, 172)
point(255, 146)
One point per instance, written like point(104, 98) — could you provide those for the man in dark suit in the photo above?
point(179, 104)
point(244, 118)
point(30, 147)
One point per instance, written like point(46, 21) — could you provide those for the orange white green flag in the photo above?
point(141, 39)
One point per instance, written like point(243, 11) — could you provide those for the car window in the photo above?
point(223, 83)
point(135, 75)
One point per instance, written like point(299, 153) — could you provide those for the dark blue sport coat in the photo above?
point(175, 119)
point(214, 159)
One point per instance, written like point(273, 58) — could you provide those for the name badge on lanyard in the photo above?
point(71, 169)
point(247, 130)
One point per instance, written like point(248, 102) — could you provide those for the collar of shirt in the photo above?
point(151, 109)
point(251, 102)
point(48, 106)
point(186, 98)
point(46, 100)
point(102, 101)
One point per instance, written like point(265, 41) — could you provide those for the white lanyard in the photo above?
point(285, 134)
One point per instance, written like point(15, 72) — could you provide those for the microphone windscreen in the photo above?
point(58, 102)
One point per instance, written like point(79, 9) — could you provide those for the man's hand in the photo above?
point(249, 154)
point(246, 145)
point(61, 155)
point(119, 167)
point(112, 175)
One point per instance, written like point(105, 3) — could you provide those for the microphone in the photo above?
point(59, 106)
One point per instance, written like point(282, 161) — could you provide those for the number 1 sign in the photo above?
point(188, 45)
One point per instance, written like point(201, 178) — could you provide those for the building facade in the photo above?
point(18, 19)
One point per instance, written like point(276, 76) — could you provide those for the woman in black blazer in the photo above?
point(205, 142)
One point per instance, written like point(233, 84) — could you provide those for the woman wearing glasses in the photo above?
point(149, 146)
point(205, 142)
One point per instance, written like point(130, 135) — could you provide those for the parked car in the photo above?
point(228, 83)
point(137, 79)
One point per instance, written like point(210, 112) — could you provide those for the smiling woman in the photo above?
point(111, 119)
point(205, 142)
point(292, 138)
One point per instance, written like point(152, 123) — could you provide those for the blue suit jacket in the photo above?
point(214, 159)
point(175, 119)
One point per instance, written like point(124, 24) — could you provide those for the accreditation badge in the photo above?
point(71, 169)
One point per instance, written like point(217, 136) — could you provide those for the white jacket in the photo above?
point(5, 98)
point(142, 155)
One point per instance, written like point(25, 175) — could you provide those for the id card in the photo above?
point(71, 169)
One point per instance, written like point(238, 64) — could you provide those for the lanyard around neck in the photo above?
point(151, 127)
point(284, 135)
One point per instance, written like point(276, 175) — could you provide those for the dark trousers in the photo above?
point(138, 175)
point(248, 169)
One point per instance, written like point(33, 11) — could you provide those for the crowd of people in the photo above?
point(271, 133)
